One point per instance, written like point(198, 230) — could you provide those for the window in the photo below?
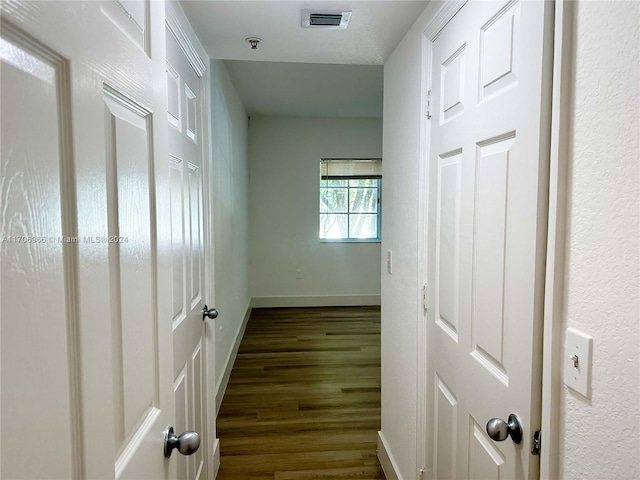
point(350, 200)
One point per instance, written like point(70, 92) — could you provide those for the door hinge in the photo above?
point(537, 443)
point(420, 473)
point(427, 105)
point(424, 296)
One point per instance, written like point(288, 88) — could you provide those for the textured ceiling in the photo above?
point(375, 28)
point(303, 89)
point(304, 72)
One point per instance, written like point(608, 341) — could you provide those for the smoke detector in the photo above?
point(253, 41)
point(332, 19)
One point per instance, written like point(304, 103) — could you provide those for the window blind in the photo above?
point(354, 168)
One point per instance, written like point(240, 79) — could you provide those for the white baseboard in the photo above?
point(315, 301)
point(216, 457)
point(389, 466)
point(224, 381)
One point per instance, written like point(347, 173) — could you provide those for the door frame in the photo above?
point(552, 344)
point(179, 26)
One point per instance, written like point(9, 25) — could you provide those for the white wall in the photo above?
point(401, 140)
point(601, 436)
point(284, 194)
point(230, 198)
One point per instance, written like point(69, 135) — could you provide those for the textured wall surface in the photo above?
point(231, 211)
point(600, 437)
point(285, 154)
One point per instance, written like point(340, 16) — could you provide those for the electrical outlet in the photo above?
point(389, 261)
point(299, 274)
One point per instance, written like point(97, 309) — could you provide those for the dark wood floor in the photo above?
point(303, 400)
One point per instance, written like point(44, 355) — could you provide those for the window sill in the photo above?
point(350, 240)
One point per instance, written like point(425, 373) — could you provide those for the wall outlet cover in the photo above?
point(577, 363)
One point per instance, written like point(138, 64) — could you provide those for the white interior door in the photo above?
point(186, 138)
point(487, 169)
point(86, 281)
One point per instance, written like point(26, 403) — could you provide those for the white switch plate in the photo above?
point(578, 347)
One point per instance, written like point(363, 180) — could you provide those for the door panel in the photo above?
point(181, 392)
point(194, 193)
point(447, 246)
point(131, 267)
point(35, 275)
point(96, 326)
point(177, 238)
point(499, 54)
point(131, 17)
point(487, 173)
point(187, 212)
point(485, 460)
point(489, 256)
point(197, 461)
point(445, 412)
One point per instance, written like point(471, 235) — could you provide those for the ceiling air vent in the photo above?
point(325, 18)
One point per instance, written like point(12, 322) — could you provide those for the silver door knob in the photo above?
point(187, 443)
point(209, 312)
point(499, 430)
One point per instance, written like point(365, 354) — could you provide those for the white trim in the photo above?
point(221, 387)
point(554, 281)
point(316, 301)
point(216, 458)
point(423, 195)
point(175, 19)
point(429, 35)
point(387, 462)
point(441, 18)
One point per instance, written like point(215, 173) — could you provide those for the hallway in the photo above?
point(166, 187)
point(303, 400)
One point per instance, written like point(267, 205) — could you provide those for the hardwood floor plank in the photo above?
point(303, 399)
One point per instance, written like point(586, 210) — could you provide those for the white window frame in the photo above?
point(348, 214)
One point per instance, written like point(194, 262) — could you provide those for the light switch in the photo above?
point(577, 363)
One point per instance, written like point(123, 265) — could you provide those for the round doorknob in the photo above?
point(187, 443)
point(209, 312)
point(499, 430)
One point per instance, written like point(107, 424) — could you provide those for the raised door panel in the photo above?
point(132, 18)
point(498, 52)
point(453, 81)
point(177, 238)
point(191, 113)
point(181, 423)
point(132, 271)
point(185, 165)
point(445, 430)
point(447, 242)
point(174, 103)
point(102, 362)
point(195, 254)
point(39, 325)
point(489, 254)
point(198, 405)
point(485, 460)
point(486, 240)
